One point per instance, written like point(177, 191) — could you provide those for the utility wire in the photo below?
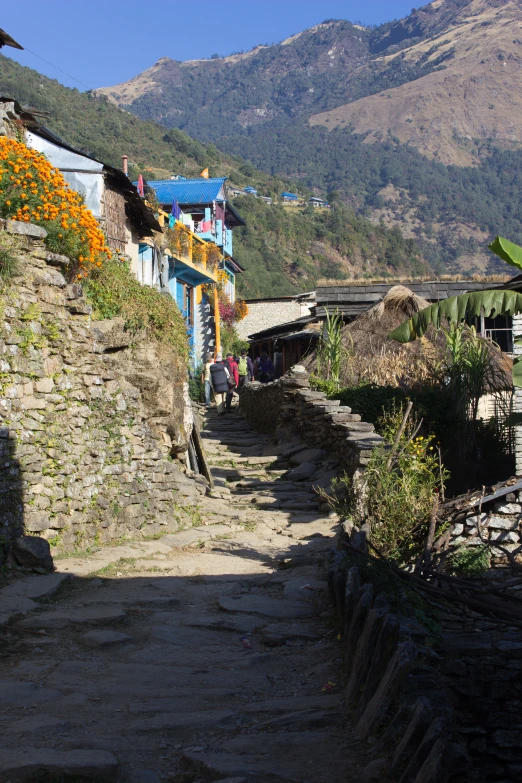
point(58, 69)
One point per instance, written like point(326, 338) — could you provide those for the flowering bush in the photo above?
point(32, 191)
point(227, 311)
point(241, 310)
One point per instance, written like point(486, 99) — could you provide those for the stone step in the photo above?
point(30, 763)
point(254, 461)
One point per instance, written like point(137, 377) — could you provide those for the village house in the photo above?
point(288, 341)
point(291, 199)
point(318, 203)
point(199, 212)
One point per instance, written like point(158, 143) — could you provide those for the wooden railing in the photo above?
point(185, 245)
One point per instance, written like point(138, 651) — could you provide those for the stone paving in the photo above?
point(198, 656)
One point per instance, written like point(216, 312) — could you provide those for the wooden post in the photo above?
point(217, 323)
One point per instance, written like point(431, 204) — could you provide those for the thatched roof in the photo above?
point(372, 356)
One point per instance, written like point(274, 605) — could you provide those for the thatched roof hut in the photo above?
point(373, 357)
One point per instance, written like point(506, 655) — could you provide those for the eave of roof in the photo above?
point(236, 220)
point(281, 329)
point(6, 40)
point(236, 266)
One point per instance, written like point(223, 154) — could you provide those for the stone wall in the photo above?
point(394, 688)
point(8, 118)
point(93, 422)
point(265, 314)
point(435, 686)
point(498, 522)
point(290, 409)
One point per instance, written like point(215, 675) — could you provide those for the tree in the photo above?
point(464, 308)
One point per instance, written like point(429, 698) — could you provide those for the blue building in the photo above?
point(202, 209)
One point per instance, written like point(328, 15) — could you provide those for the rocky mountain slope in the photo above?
point(417, 124)
point(473, 94)
point(440, 78)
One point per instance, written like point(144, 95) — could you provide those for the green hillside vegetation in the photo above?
point(487, 195)
point(278, 244)
point(282, 252)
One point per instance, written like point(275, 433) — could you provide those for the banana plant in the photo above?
point(466, 307)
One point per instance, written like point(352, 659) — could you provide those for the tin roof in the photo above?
point(189, 191)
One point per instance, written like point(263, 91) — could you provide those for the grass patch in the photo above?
point(112, 568)
point(114, 291)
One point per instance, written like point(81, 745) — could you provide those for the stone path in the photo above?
point(195, 657)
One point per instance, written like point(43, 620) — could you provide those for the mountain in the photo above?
point(410, 78)
point(417, 123)
point(282, 251)
point(472, 94)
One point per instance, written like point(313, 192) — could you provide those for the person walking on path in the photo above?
point(205, 378)
point(233, 380)
point(245, 370)
point(266, 369)
point(219, 376)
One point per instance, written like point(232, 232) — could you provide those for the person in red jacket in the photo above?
point(233, 381)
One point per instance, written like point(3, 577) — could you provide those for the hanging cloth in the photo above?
point(176, 211)
point(141, 188)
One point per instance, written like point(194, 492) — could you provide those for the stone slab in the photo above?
point(61, 619)
point(185, 724)
point(244, 623)
point(18, 766)
point(307, 455)
point(105, 638)
point(269, 607)
point(302, 472)
point(277, 634)
point(25, 694)
point(294, 756)
point(21, 596)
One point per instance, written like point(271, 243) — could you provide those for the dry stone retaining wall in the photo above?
point(498, 525)
point(290, 409)
point(445, 703)
point(92, 432)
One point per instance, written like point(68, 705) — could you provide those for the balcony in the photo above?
point(194, 258)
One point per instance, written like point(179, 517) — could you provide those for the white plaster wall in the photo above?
point(263, 315)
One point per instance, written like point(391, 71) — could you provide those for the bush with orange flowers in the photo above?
point(32, 191)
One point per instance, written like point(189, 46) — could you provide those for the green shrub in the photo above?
point(196, 387)
point(470, 561)
point(9, 263)
point(114, 291)
point(397, 498)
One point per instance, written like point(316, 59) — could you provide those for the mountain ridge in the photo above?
point(428, 106)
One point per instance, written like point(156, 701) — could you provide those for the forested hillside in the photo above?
point(278, 244)
point(282, 252)
point(451, 211)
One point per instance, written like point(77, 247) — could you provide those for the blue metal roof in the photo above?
point(189, 191)
point(290, 195)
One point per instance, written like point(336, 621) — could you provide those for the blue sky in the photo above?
point(103, 42)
